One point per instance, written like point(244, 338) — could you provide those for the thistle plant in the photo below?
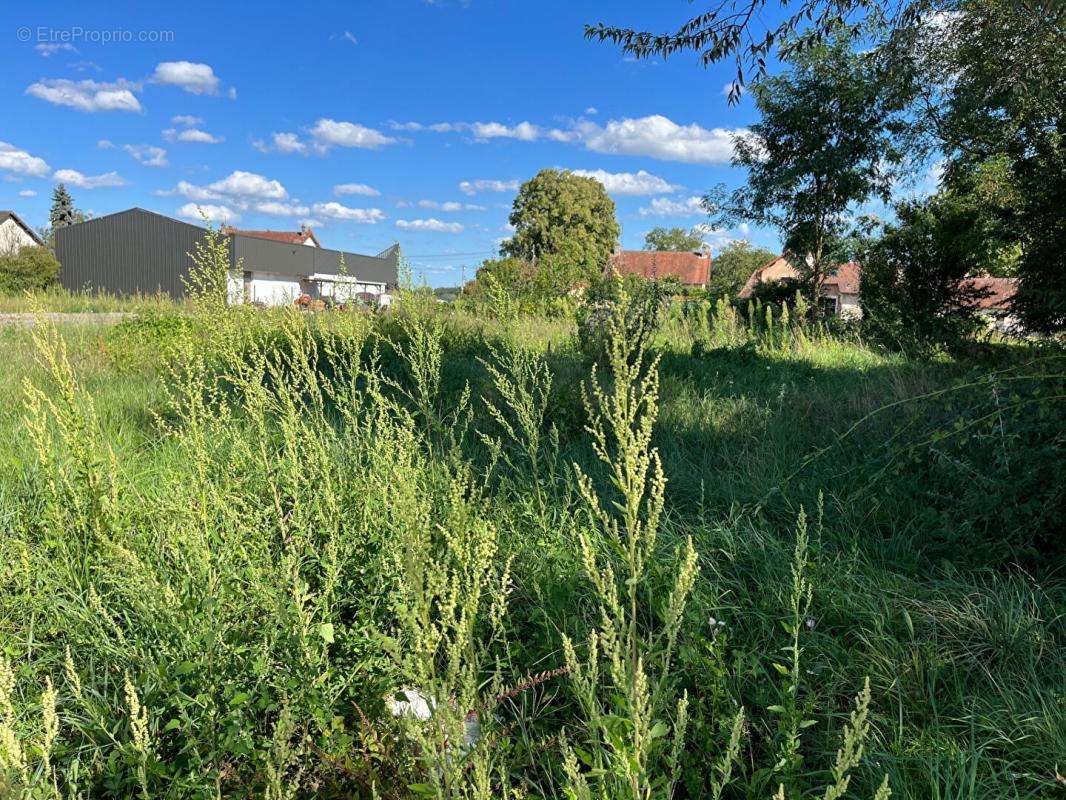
point(635, 726)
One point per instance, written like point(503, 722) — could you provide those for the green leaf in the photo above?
point(781, 668)
point(659, 729)
point(325, 630)
point(776, 709)
point(424, 789)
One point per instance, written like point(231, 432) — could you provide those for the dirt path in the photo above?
point(28, 320)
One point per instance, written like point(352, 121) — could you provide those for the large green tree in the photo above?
point(827, 140)
point(733, 265)
point(564, 219)
point(996, 100)
point(674, 240)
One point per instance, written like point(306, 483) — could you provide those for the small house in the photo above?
point(16, 234)
point(838, 293)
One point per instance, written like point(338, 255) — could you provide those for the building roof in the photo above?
point(5, 215)
point(286, 237)
point(845, 277)
point(692, 269)
point(997, 292)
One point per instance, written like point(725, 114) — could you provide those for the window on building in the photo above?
point(828, 306)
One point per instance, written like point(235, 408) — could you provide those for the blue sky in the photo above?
point(402, 121)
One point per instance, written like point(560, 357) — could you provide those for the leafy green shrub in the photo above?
point(915, 294)
point(640, 304)
point(29, 269)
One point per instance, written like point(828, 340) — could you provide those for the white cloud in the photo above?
point(187, 120)
point(482, 185)
point(591, 110)
point(277, 209)
point(449, 205)
point(311, 222)
point(334, 210)
point(51, 48)
point(198, 212)
point(191, 135)
point(524, 131)
point(630, 183)
point(655, 136)
point(105, 144)
point(348, 36)
point(242, 190)
point(481, 131)
point(665, 207)
point(19, 161)
point(329, 133)
point(147, 154)
point(282, 143)
point(27, 193)
point(356, 188)
point(429, 225)
point(87, 95)
point(75, 178)
point(658, 137)
point(192, 77)
point(249, 184)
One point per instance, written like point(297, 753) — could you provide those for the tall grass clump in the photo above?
point(634, 728)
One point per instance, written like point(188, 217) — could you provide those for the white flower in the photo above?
point(810, 623)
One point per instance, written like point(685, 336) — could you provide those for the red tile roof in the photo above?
point(845, 277)
point(692, 269)
point(998, 291)
point(288, 237)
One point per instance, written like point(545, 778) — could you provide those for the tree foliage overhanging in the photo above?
point(984, 86)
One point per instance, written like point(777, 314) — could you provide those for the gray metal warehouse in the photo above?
point(139, 251)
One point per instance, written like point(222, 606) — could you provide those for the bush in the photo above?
point(915, 294)
point(641, 303)
point(29, 269)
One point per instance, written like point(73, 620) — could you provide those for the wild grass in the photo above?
point(59, 300)
point(431, 554)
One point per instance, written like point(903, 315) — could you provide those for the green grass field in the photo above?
point(229, 538)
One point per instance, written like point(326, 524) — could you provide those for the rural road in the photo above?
point(28, 320)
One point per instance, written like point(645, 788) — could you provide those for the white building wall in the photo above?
point(849, 306)
point(13, 238)
point(273, 290)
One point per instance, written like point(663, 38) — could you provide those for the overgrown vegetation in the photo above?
point(432, 553)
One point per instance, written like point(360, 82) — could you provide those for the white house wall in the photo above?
point(13, 238)
point(849, 306)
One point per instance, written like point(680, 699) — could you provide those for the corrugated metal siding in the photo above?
point(277, 258)
point(140, 251)
point(126, 253)
point(365, 268)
